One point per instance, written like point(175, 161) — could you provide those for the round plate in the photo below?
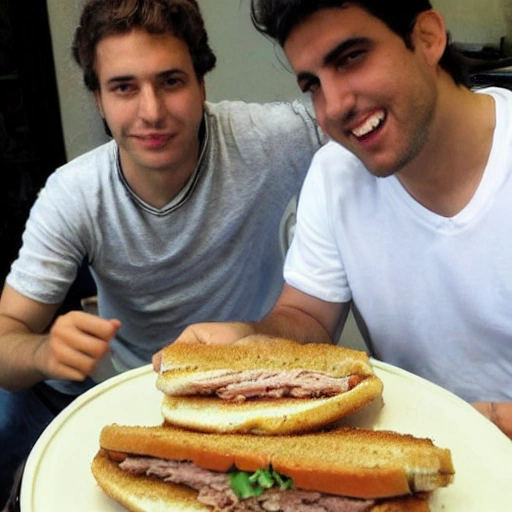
point(57, 476)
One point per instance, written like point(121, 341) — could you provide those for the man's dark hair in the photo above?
point(277, 18)
point(102, 18)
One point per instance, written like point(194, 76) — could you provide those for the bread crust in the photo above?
point(143, 494)
point(266, 352)
point(348, 462)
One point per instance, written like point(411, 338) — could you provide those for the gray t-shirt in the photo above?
point(214, 253)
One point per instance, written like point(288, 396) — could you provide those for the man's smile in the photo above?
point(369, 125)
point(153, 140)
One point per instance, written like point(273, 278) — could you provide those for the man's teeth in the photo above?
point(370, 124)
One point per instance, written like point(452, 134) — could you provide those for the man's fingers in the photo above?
point(77, 342)
point(157, 360)
point(88, 323)
point(71, 364)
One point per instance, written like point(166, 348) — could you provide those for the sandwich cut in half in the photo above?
point(263, 385)
point(353, 470)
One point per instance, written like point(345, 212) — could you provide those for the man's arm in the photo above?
point(302, 317)
point(296, 315)
point(70, 350)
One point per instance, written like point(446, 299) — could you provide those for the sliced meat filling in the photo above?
point(214, 490)
point(241, 385)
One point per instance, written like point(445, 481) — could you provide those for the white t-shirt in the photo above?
point(435, 293)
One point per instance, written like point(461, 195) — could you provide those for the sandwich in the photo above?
point(355, 470)
point(263, 385)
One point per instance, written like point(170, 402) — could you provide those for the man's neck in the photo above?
point(158, 187)
point(446, 174)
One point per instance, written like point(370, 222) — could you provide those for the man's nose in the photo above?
point(150, 105)
point(338, 99)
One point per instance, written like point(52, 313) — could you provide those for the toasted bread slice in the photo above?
point(348, 462)
point(184, 365)
point(144, 494)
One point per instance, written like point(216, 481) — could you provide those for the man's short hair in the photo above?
point(277, 18)
point(102, 18)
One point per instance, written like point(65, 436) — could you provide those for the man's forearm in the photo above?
point(296, 315)
point(289, 322)
point(17, 360)
point(19, 346)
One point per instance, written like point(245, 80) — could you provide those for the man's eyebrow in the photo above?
point(170, 72)
point(343, 47)
point(119, 79)
point(333, 55)
point(163, 74)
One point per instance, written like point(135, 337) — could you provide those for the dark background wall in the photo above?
point(31, 140)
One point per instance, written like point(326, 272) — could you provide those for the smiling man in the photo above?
point(181, 217)
point(406, 215)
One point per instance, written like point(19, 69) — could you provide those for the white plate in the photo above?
point(57, 476)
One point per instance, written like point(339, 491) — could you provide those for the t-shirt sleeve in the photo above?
point(51, 252)
point(313, 263)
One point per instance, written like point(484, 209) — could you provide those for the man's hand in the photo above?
point(500, 413)
point(215, 333)
point(212, 333)
point(295, 315)
point(76, 343)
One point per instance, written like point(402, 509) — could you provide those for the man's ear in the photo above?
point(429, 36)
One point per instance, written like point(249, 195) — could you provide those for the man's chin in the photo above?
point(379, 170)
